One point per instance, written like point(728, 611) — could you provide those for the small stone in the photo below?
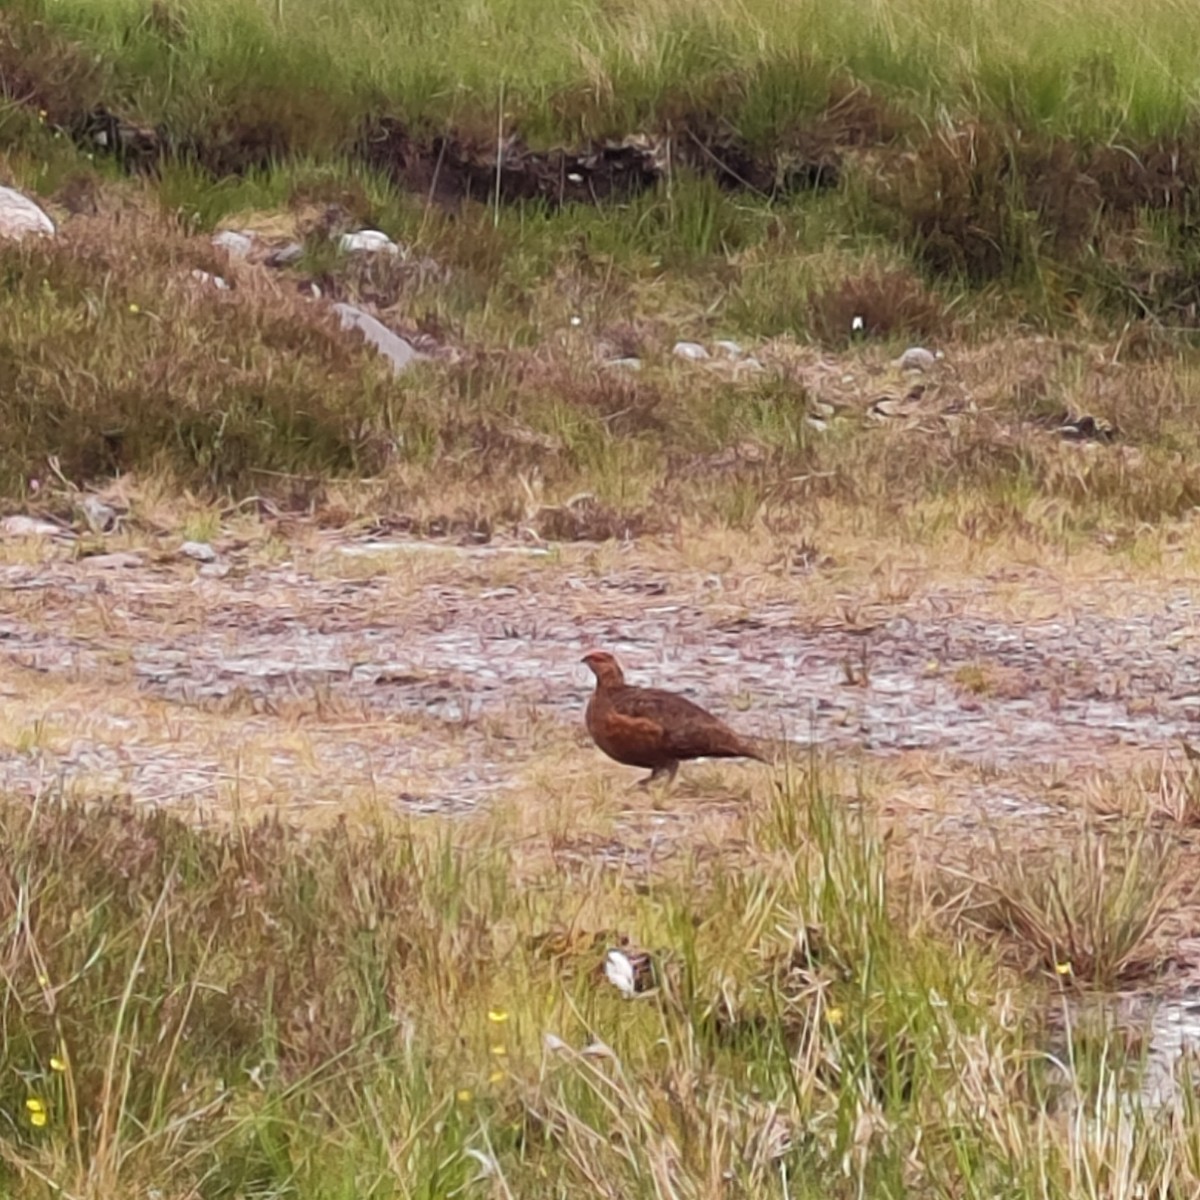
point(730, 349)
point(121, 560)
point(284, 256)
point(100, 517)
point(692, 351)
point(392, 346)
point(200, 551)
point(236, 245)
point(19, 217)
point(368, 241)
point(207, 278)
point(624, 364)
point(20, 526)
point(917, 358)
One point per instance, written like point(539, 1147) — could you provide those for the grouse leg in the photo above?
point(667, 769)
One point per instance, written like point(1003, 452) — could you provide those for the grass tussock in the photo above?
point(1097, 914)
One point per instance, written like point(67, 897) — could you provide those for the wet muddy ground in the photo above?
point(439, 678)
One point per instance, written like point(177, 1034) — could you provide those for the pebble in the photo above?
point(730, 349)
point(391, 345)
point(284, 256)
point(200, 551)
point(368, 241)
point(22, 526)
point(19, 216)
point(624, 364)
point(692, 351)
point(917, 358)
point(119, 560)
point(205, 277)
point(100, 517)
point(235, 244)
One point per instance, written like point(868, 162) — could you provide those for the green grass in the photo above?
point(385, 1009)
point(1095, 67)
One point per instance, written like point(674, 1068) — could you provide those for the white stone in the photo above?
point(19, 216)
point(200, 551)
point(625, 364)
point(620, 973)
point(236, 245)
point(284, 256)
point(730, 349)
point(916, 358)
point(21, 526)
point(692, 351)
point(215, 280)
point(368, 241)
point(391, 345)
point(100, 517)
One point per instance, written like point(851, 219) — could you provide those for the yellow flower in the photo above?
point(44, 981)
point(834, 1016)
point(495, 1077)
point(499, 1051)
point(497, 1016)
point(464, 1096)
point(38, 1119)
point(133, 308)
point(1063, 968)
point(35, 1105)
point(56, 1063)
point(37, 1112)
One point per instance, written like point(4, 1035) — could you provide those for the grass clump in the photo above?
point(114, 357)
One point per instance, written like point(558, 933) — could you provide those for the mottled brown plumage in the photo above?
point(651, 728)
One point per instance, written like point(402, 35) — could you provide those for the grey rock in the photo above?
point(119, 560)
point(200, 551)
point(21, 526)
point(624, 364)
point(20, 217)
point(917, 358)
point(101, 517)
point(692, 351)
point(284, 256)
point(391, 345)
point(236, 245)
point(368, 241)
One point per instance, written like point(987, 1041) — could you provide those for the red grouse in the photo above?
point(651, 728)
